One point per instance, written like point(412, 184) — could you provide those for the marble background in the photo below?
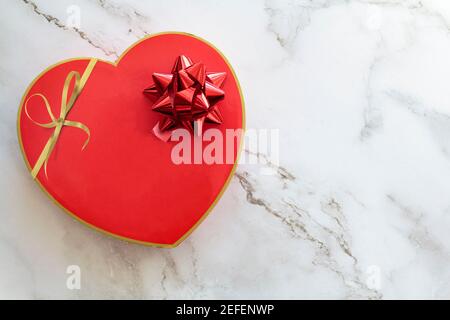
point(358, 206)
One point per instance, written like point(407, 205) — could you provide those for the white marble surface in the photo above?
point(359, 207)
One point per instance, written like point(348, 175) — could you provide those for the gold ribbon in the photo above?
point(59, 123)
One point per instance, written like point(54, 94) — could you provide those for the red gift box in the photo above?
point(125, 182)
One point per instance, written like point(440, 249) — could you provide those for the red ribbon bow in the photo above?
point(186, 97)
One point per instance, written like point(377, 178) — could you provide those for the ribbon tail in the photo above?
point(81, 126)
point(163, 135)
point(45, 169)
point(45, 154)
point(42, 159)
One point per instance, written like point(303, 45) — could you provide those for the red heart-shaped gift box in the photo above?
point(124, 182)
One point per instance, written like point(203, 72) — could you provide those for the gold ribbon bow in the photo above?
point(59, 123)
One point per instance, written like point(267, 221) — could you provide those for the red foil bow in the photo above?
point(187, 97)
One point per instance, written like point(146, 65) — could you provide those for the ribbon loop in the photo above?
point(67, 104)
